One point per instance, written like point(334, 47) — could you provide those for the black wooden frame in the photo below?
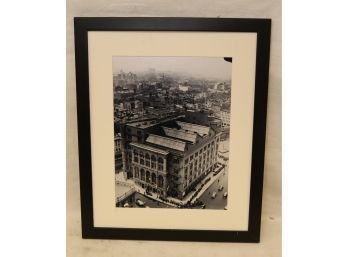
point(263, 29)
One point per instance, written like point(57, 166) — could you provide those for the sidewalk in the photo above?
point(140, 190)
point(175, 202)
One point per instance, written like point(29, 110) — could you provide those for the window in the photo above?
point(153, 178)
point(160, 164)
point(153, 162)
point(186, 161)
point(200, 151)
point(191, 157)
point(135, 156)
point(136, 171)
point(160, 167)
point(147, 160)
point(142, 174)
point(141, 158)
point(160, 181)
point(196, 154)
point(176, 160)
point(148, 177)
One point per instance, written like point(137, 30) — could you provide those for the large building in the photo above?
point(225, 118)
point(118, 152)
point(169, 156)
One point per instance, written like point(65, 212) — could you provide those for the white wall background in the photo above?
point(270, 245)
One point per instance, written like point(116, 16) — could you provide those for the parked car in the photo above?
point(225, 195)
point(140, 203)
point(213, 195)
point(221, 187)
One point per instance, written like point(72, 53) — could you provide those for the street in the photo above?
point(150, 202)
point(219, 202)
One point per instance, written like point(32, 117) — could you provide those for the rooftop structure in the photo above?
point(149, 148)
point(143, 124)
point(200, 130)
point(181, 134)
point(166, 142)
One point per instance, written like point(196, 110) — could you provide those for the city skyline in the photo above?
point(199, 67)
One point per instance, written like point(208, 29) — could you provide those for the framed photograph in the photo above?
point(171, 127)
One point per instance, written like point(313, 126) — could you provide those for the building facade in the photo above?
point(169, 156)
point(118, 152)
point(225, 118)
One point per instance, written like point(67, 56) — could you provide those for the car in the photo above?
point(221, 187)
point(213, 195)
point(225, 208)
point(140, 203)
point(225, 195)
point(203, 206)
point(126, 205)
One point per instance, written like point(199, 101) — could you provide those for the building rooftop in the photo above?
point(181, 134)
point(143, 124)
point(149, 148)
point(200, 130)
point(166, 142)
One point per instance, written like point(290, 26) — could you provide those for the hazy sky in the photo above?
point(205, 67)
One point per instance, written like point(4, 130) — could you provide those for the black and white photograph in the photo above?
point(171, 131)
